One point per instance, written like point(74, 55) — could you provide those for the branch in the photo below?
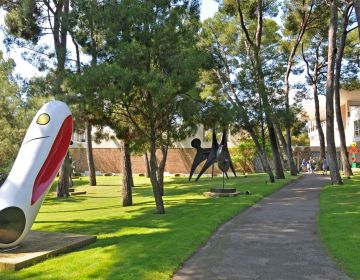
point(49, 19)
point(259, 23)
point(78, 63)
point(47, 4)
point(230, 99)
point(348, 31)
point(129, 116)
point(243, 26)
point(304, 22)
point(36, 51)
point(307, 64)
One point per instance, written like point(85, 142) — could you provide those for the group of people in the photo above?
point(310, 165)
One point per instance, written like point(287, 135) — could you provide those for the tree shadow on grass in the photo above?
point(158, 242)
point(136, 243)
point(59, 200)
point(117, 206)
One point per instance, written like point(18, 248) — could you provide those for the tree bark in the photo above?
point(340, 52)
point(64, 178)
point(261, 152)
point(161, 169)
point(153, 173)
point(60, 29)
point(89, 155)
point(289, 153)
point(279, 171)
point(334, 169)
point(318, 122)
point(303, 25)
point(282, 140)
point(127, 181)
point(147, 166)
point(314, 84)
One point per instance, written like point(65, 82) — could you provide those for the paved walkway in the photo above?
point(275, 239)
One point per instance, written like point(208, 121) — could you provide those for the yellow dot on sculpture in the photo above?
point(353, 144)
point(43, 119)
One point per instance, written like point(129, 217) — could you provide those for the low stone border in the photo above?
point(212, 194)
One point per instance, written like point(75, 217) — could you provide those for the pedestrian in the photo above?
point(308, 165)
point(303, 165)
point(325, 166)
point(313, 165)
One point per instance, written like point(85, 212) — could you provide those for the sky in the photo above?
point(25, 69)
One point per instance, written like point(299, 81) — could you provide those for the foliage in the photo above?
point(15, 115)
point(350, 79)
point(338, 224)
point(23, 19)
point(132, 242)
point(244, 51)
point(244, 154)
point(301, 139)
point(145, 79)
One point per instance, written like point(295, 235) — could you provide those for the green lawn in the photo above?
point(339, 224)
point(133, 242)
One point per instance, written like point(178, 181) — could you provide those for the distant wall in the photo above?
point(109, 161)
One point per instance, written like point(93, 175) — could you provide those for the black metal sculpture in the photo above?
point(217, 153)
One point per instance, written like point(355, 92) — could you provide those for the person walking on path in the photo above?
point(311, 165)
point(303, 165)
point(325, 166)
point(273, 240)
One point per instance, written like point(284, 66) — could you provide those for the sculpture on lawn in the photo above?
point(217, 153)
point(39, 159)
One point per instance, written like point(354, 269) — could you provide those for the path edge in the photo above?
point(301, 176)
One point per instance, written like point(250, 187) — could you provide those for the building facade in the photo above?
point(350, 111)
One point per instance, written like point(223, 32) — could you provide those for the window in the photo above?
point(357, 128)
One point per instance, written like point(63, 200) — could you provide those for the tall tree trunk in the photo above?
point(314, 84)
point(289, 153)
point(90, 158)
point(340, 52)
point(147, 166)
point(333, 164)
point(153, 174)
point(161, 170)
point(127, 181)
point(279, 171)
point(318, 122)
point(60, 29)
point(302, 28)
point(89, 155)
point(282, 140)
point(261, 152)
point(64, 178)
point(256, 46)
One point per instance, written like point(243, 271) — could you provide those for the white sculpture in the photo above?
point(38, 161)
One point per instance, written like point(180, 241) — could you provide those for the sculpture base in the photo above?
point(211, 194)
point(225, 190)
point(40, 245)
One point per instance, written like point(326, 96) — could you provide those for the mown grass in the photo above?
point(339, 224)
point(133, 242)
